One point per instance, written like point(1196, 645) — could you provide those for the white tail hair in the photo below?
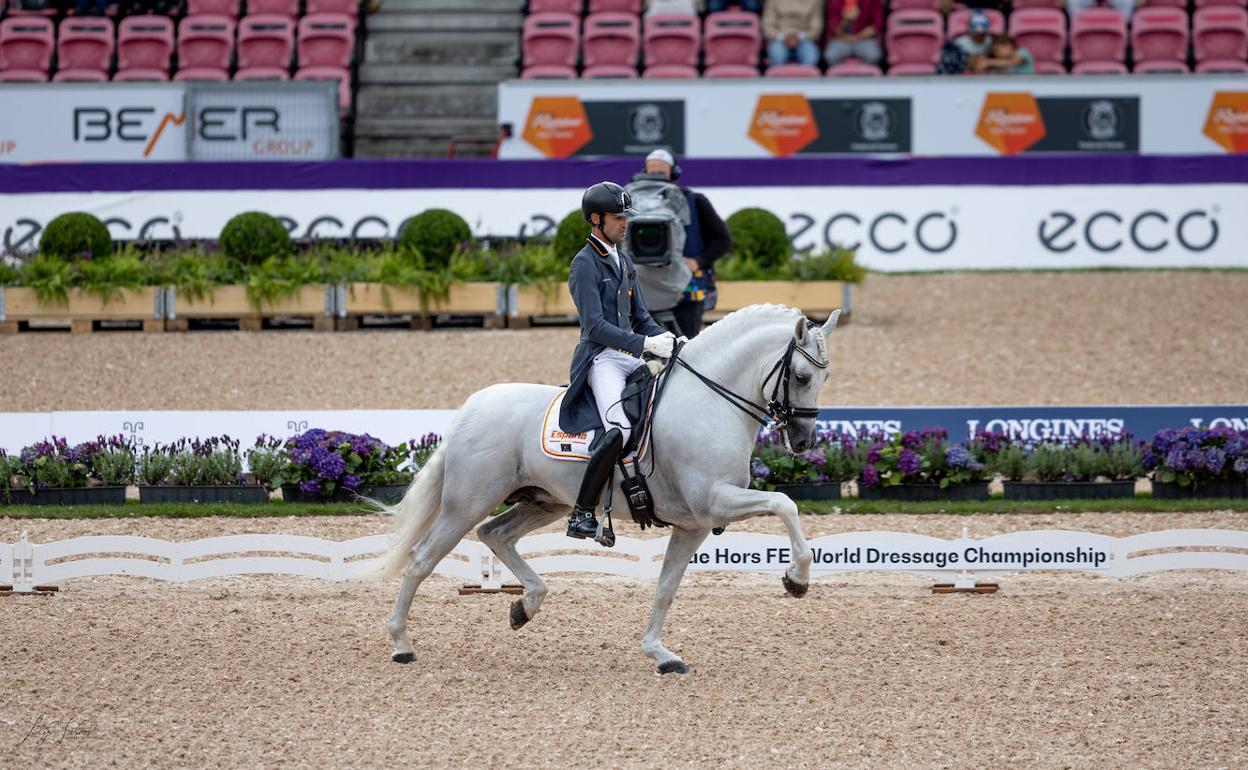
point(414, 515)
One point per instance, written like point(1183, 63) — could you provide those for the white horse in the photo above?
point(700, 441)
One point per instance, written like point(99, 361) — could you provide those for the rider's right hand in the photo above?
point(661, 345)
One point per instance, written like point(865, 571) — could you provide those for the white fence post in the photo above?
point(23, 566)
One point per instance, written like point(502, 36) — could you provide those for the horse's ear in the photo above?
point(831, 324)
point(800, 331)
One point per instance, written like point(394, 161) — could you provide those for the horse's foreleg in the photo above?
point(680, 549)
point(735, 503)
point(500, 534)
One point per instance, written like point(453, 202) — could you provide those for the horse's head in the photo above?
point(806, 370)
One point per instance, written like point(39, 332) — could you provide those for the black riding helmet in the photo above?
point(606, 198)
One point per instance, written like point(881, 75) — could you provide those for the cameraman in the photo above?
point(706, 240)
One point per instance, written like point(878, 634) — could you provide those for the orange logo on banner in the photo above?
point(1010, 122)
point(557, 126)
point(1227, 123)
point(783, 123)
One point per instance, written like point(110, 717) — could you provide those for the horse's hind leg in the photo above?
point(501, 534)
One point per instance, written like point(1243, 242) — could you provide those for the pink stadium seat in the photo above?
point(85, 44)
point(23, 76)
point(959, 19)
point(213, 8)
point(914, 36)
point(1205, 3)
point(262, 73)
point(721, 71)
point(1059, 4)
point(608, 71)
point(1041, 31)
point(1159, 34)
point(1050, 68)
point(265, 40)
point(340, 74)
point(349, 7)
point(273, 8)
point(140, 74)
point(326, 40)
point(548, 72)
point(1099, 68)
point(551, 38)
point(26, 43)
point(1220, 32)
point(671, 39)
point(1098, 34)
point(610, 38)
point(213, 74)
point(854, 68)
point(145, 42)
point(205, 41)
point(791, 71)
point(670, 71)
point(912, 68)
point(1160, 66)
point(556, 6)
point(732, 37)
point(615, 6)
point(80, 76)
point(908, 5)
point(1223, 65)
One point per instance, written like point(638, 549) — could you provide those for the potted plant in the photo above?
point(816, 474)
point(54, 473)
point(1198, 462)
point(332, 466)
point(1085, 469)
point(196, 471)
point(918, 465)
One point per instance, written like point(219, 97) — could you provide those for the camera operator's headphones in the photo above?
point(667, 158)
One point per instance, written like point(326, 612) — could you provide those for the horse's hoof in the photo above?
point(518, 616)
point(673, 667)
point(403, 657)
point(795, 589)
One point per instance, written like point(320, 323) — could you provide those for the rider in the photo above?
point(616, 328)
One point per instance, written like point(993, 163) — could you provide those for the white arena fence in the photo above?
point(26, 565)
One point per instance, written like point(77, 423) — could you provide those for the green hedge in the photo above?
point(76, 236)
point(432, 236)
point(571, 235)
point(253, 236)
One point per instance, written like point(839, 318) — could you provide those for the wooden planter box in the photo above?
point(527, 302)
point(82, 309)
point(488, 300)
point(817, 299)
point(230, 302)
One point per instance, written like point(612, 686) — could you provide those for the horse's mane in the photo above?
point(747, 319)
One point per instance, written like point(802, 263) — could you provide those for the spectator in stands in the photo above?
point(753, 6)
point(963, 53)
point(791, 28)
point(92, 7)
point(140, 7)
point(1125, 7)
point(854, 30)
point(1006, 58)
point(706, 240)
point(680, 7)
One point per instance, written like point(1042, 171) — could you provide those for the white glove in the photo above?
point(660, 346)
point(682, 339)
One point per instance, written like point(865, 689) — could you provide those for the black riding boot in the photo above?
point(582, 524)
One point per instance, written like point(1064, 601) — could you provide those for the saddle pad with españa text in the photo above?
point(560, 445)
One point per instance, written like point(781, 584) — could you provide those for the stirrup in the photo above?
point(605, 536)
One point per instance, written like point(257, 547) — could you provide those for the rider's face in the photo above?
point(613, 227)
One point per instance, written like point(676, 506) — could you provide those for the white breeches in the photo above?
point(606, 380)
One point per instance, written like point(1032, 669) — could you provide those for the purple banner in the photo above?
point(702, 172)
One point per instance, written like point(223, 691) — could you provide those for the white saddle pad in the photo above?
point(561, 445)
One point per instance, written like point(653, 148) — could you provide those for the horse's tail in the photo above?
point(414, 515)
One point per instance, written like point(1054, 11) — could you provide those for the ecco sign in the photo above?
point(1105, 231)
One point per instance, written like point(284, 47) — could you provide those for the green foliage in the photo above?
point(194, 273)
point(271, 466)
point(1010, 462)
point(278, 278)
point(108, 276)
point(432, 236)
point(758, 236)
point(570, 235)
point(50, 277)
point(114, 466)
point(836, 264)
point(76, 236)
point(1124, 461)
point(10, 275)
point(255, 237)
point(1049, 462)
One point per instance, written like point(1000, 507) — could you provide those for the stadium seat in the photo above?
point(85, 43)
point(610, 38)
point(26, 43)
point(556, 6)
point(273, 8)
point(609, 71)
point(1099, 68)
point(261, 73)
point(1059, 4)
point(550, 38)
point(1222, 65)
point(732, 37)
point(912, 68)
point(1220, 32)
point(548, 72)
point(1159, 34)
point(791, 71)
point(72, 75)
point(340, 74)
point(1050, 68)
point(615, 6)
point(1098, 35)
point(1163, 4)
point(1041, 31)
point(144, 42)
point(721, 71)
point(914, 36)
point(326, 40)
point(960, 19)
point(1206, 3)
point(213, 8)
point(854, 68)
point(670, 71)
point(265, 40)
point(205, 41)
point(140, 75)
point(1160, 66)
point(23, 76)
point(349, 7)
point(671, 39)
point(212, 74)
point(910, 5)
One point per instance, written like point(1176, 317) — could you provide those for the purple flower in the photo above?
point(870, 476)
point(350, 482)
point(1215, 460)
point(312, 487)
point(1241, 464)
point(959, 457)
point(874, 455)
point(909, 462)
point(759, 469)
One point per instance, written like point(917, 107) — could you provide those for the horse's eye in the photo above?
point(803, 379)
